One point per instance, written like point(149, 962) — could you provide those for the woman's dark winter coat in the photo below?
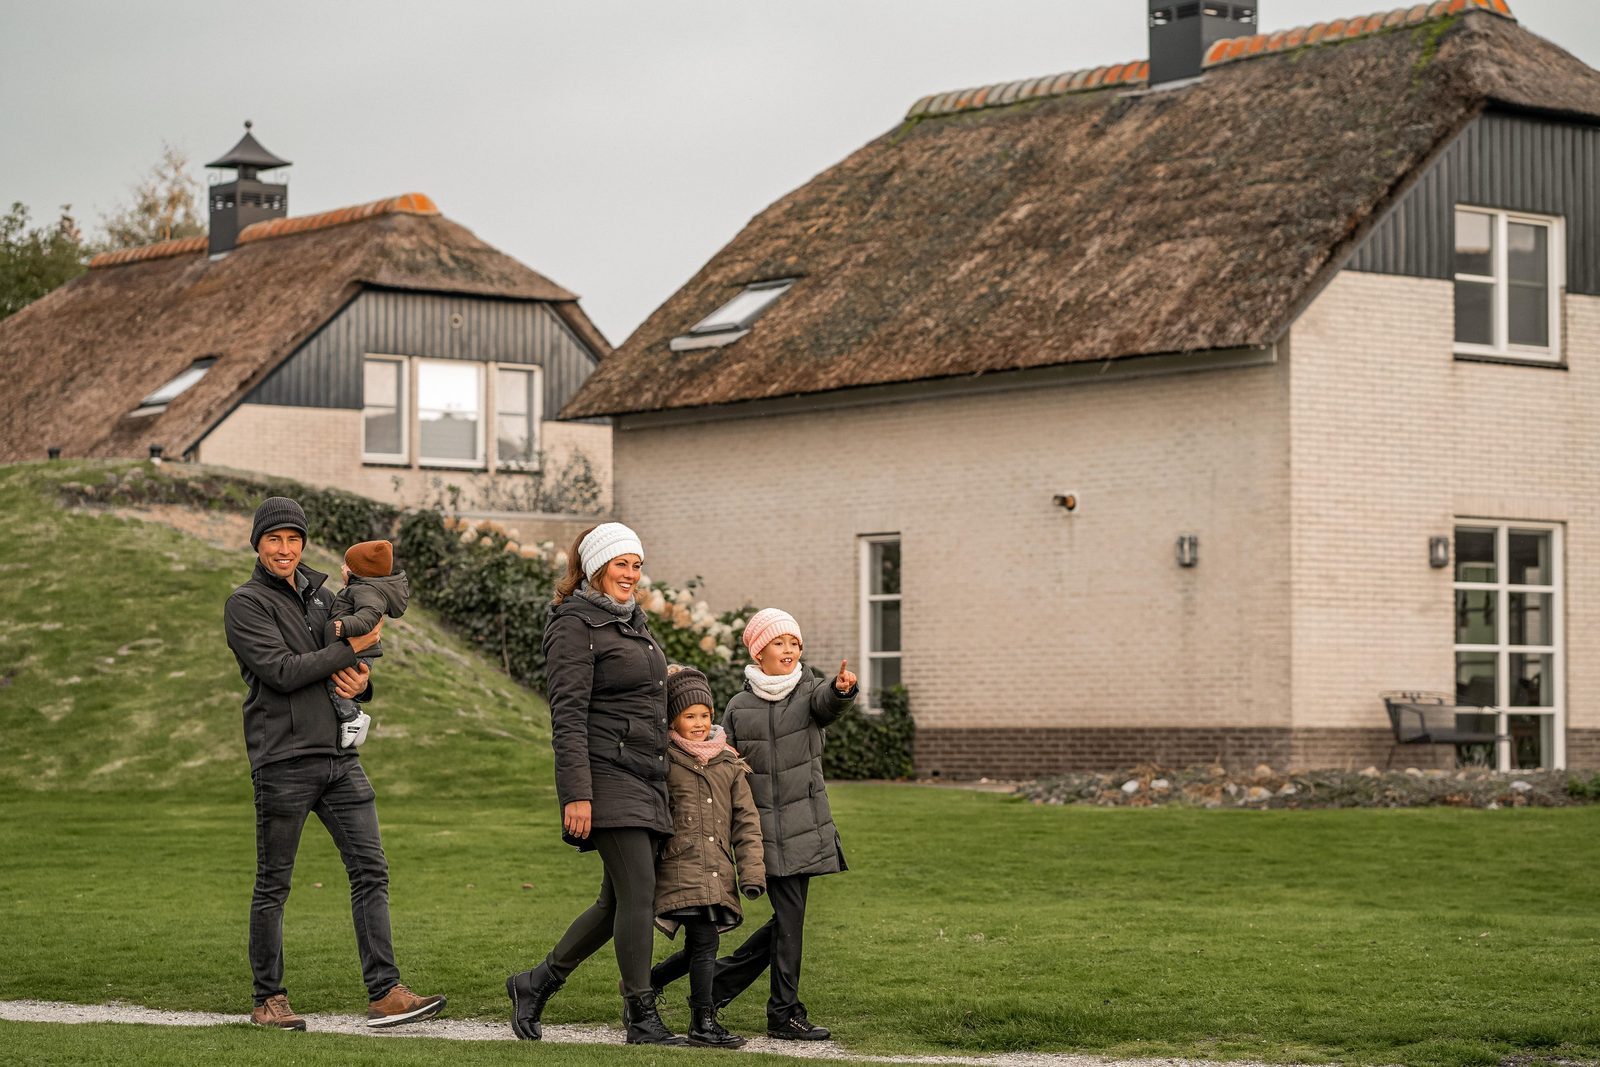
point(607, 681)
point(782, 742)
point(715, 821)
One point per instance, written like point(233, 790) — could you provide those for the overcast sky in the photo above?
point(614, 146)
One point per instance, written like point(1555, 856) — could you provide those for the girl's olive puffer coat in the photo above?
point(607, 682)
point(715, 822)
point(782, 742)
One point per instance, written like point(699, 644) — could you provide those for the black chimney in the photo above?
point(246, 199)
point(1181, 32)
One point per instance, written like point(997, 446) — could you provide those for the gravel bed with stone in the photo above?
point(1149, 785)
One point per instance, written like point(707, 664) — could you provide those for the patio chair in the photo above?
point(1431, 719)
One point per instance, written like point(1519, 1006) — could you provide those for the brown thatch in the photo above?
point(1093, 225)
point(76, 362)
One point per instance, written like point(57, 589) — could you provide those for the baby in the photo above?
point(370, 592)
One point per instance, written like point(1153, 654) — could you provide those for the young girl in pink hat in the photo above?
point(776, 724)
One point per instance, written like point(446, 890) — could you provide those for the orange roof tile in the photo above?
point(406, 204)
point(1137, 71)
point(160, 250)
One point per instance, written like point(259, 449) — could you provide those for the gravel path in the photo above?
point(44, 1011)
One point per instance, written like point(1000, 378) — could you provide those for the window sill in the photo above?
point(393, 464)
point(435, 465)
point(1510, 360)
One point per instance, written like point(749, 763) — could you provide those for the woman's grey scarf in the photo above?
point(622, 609)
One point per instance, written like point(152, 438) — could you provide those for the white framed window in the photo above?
point(879, 665)
point(733, 319)
point(1508, 638)
point(518, 411)
point(449, 413)
point(1508, 278)
point(157, 402)
point(383, 410)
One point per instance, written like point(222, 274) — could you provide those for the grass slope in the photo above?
point(969, 922)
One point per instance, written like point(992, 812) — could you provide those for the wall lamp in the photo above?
point(54, 451)
point(1438, 552)
point(1187, 550)
point(1065, 501)
point(155, 453)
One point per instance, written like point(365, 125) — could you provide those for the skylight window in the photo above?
point(157, 401)
point(732, 320)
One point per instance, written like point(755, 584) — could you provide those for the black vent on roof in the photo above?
point(246, 199)
point(1182, 32)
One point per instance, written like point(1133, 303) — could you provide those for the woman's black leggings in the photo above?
point(700, 944)
point(625, 911)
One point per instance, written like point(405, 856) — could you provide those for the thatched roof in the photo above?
point(77, 361)
point(1050, 222)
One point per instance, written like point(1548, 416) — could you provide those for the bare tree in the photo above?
point(165, 205)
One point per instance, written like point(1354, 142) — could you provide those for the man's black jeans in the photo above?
point(336, 788)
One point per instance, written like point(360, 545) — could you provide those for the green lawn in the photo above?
point(969, 922)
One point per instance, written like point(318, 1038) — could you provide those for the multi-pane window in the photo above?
point(879, 668)
point(450, 413)
point(1508, 638)
point(1507, 284)
point(744, 309)
point(516, 416)
point(383, 413)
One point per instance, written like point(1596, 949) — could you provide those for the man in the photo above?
point(274, 624)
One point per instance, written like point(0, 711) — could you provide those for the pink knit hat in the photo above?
point(766, 624)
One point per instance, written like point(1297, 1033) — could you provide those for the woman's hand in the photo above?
point(846, 680)
point(351, 682)
point(575, 818)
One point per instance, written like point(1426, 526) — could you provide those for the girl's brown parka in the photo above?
point(715, 821)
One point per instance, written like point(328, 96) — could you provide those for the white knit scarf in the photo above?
point(773, 687)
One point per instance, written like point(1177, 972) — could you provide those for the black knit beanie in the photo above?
point(685, 688)
point(277, 513)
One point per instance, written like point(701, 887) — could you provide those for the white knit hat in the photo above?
point(605, 543)
point(766, 624)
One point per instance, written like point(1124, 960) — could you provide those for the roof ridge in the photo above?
point(160, 250)
point(1137, 72)
point(404, 204)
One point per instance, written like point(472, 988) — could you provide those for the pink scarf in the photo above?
point(715, 742)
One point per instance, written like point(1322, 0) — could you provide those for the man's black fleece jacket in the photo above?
point(276, 635)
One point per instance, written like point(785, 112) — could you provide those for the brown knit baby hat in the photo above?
point(686, 687)
point(370, 559)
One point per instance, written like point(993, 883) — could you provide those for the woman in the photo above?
point(608, 723)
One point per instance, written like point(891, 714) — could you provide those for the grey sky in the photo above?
point(611, 145)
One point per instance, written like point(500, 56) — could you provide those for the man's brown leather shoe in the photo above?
point(275, 1011)
point(400, 1005)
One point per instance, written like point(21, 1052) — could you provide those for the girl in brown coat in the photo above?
point(715, 821)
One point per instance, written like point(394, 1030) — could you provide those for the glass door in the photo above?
point(1508, 641)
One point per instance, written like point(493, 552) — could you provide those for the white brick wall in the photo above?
point(1015, 612)
point(1392, 440)
point(322, 446)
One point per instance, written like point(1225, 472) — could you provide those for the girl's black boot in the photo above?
point(706, 1030)
point(528, 992)
point(644, 1023)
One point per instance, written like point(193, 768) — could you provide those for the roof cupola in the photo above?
point(246, 199)
point(1182, 31)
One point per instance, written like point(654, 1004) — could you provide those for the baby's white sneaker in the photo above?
point(352, 733)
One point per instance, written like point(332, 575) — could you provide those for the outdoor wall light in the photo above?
point(1065, 501)
point(54, 451)
point(1188, 550)
point(1438, 552)
point(155, 453)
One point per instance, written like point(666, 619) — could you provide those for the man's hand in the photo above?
point(351, 682)
point(576, 817)
point(360, 644)
point(846, 680)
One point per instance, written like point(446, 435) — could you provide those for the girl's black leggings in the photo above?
point(700, 944)
point(625, 911)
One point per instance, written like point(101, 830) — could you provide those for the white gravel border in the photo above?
point(45, 1011)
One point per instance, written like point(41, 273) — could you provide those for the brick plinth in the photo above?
point(1031, 752)
point(1583, 749)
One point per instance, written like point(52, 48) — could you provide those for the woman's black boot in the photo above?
point(706, 1030)
point(528, 992)
point(644, 1023)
